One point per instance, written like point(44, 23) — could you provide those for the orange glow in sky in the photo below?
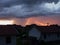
point(41, 20)
point(34, 21)
point(6, 22)
point(42, 24)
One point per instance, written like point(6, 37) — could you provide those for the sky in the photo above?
point(25, 12)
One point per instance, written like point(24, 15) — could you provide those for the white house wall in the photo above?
point(13, 40)
point(34, 33)
point(3, 40)
point(51, 37)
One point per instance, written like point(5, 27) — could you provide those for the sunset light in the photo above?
point(42, 24)
point(35, 21)
point(6, 22)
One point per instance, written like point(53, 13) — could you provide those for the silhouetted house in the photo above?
point(50, 33)
point(44, 33)
point(33, 31)
point(8, 35)
point(29, 39)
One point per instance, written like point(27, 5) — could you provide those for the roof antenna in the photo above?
point(47, 24)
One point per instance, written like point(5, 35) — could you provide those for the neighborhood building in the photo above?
point(50, 33)
point(35, 33)
point(8, 35)
point(45, 33)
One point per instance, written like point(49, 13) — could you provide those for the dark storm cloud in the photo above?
point(29, 8)
point(7, 3)
point(38, 1)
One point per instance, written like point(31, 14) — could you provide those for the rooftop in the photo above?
point(8, 30)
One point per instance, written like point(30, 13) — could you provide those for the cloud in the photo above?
point(8, 3)
point(23, 10)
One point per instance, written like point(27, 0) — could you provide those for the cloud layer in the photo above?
point(29, 8)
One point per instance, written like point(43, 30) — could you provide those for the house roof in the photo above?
point(8, 30)
point(49, 29)
point(45, 29)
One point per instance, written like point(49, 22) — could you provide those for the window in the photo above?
point(8, 40)
point(57, 34)
point(44, 36)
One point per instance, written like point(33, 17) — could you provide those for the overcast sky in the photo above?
point(29, 8)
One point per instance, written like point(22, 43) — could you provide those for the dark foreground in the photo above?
point(36, 42)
